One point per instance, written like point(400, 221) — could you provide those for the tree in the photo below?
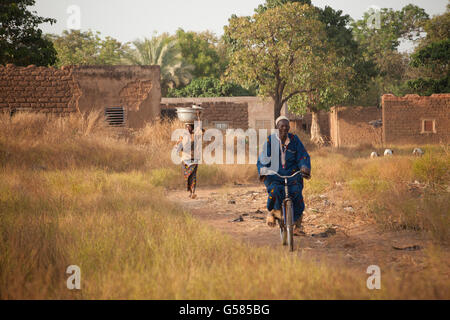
point(21, 41)
point(437, 29)
point(86, 48)
point(270, 4)
point(430, 59)
point(382, 44)
point(162, 51)
point(285, 50)
point(406, 23)
point(209, 87)
point(348, 49)
point(340, 36)
point(201, 51)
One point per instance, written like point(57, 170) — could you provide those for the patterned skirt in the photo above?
point(190, 175)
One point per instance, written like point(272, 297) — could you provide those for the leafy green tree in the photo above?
point(437, 28)
point(201, 51)
point(163, 51)
point(431, 57)
point(352, 54)
point(406, 23)
point(270, 4)
point(86, 48)
point(435, 55)
point(21, 41)
point(210, 87)
point(285, 50)
point(341, 37)
point(382, 45)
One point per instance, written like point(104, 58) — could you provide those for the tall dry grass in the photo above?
point(44, 142)
point(155, 138)
point(73, 193)
point(401, 192)
point(132, 244)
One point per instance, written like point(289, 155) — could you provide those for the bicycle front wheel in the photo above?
point(283, 233)
point(290, 224)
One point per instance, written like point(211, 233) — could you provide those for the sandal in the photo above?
point(298, 228)
point(298, 232)
point(272, 216)
point(277, 214)
point(270, 220)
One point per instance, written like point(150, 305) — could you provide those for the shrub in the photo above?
point(166, 177)
point(367, 187)
point(432, 169)
point(210, 87)
point(315, 186)
point(429, 213)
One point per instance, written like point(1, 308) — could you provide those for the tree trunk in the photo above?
point(277, 109)
point(316, 134)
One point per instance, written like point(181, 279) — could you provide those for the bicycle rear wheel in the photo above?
point(290, 224)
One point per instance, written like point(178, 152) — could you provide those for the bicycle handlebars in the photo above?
point(271, 172)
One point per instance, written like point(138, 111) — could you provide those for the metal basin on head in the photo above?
point(188, 114)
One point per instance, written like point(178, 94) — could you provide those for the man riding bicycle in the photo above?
point(291, 156)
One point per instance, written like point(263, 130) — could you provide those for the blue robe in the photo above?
point(296, 157)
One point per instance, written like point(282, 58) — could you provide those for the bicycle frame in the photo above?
point(286, 189)
point(286, 227)
point(285, 201)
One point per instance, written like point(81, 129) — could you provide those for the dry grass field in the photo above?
point(73, 192)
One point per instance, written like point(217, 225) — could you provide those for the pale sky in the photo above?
point(127, 20)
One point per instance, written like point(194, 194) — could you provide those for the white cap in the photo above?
point(281, 118)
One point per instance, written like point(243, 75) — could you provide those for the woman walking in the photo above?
point(188, 144)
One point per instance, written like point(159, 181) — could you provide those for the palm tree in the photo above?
point(162, 51)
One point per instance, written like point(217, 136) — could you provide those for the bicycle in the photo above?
point(287, 222)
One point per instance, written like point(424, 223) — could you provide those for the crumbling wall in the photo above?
point(304, 123)
point(135, 93)
point(83, 89)
point(234, 114)
point(136, 88)
point(351, 126)
point(38, 89)
point(404, 119)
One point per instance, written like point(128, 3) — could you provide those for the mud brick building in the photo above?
point(303, 123)
point(350, 126)
point(416, 120)
point(226, 112)
point(39, 89)
point(128, 95)
point(411, 119)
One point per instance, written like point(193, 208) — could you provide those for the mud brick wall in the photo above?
point(235, 114)
point(349, 126)
point(83, 89)
point(403, 118)
point(215, 111)
point(304, 123)
point(38, 89)
point(257, 110)
point(136, 88)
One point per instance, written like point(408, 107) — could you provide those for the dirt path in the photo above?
point(358, 241)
